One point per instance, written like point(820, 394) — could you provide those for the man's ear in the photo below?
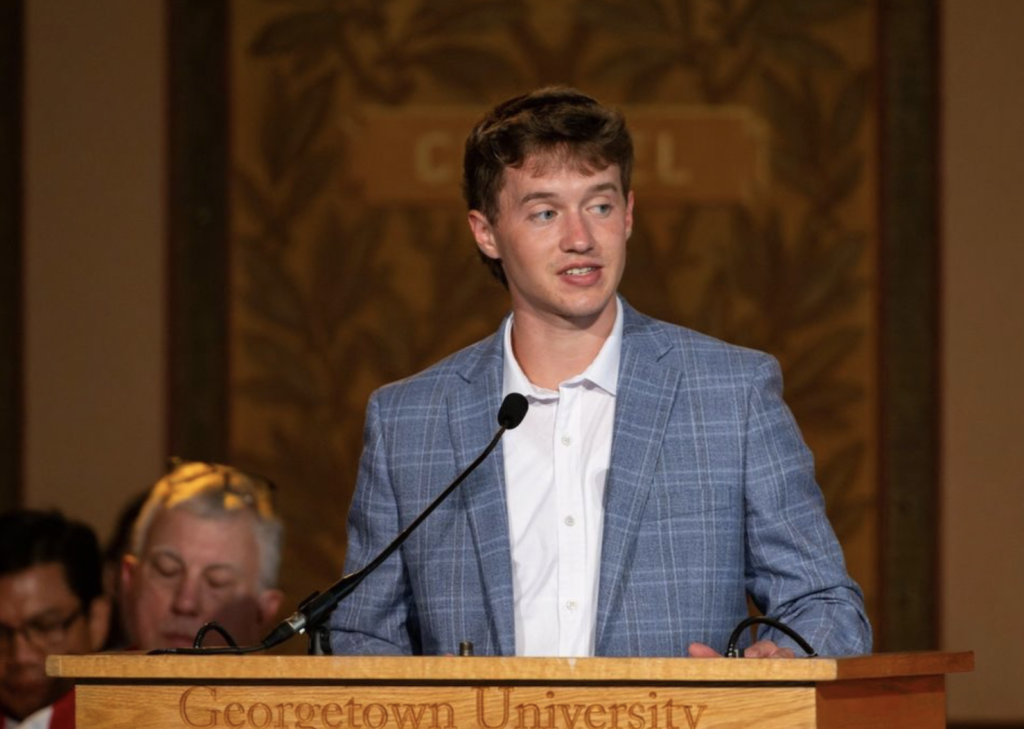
point(629, 215)
point(269, 603)
point(129, 568)
point(483, 232)
point(99, 621)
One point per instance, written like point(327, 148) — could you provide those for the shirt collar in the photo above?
point(602, 372)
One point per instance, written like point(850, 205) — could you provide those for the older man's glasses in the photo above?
point(239, 488)
point(42, 633)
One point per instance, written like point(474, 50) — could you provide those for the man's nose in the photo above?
point(578, 237)
point(22, 650)
point(187, 596)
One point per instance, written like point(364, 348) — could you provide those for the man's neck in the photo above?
point(550, 353)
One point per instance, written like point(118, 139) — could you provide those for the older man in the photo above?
point(51, 602)
point(206, 547)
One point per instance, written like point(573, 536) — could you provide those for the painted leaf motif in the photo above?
point(813, 11)
point(260, 206)
point(307, 116)
point(790, 120)
point(822, 409)
point(631, 63)
point(271, 294)
point(801, 49)
point(821, 357)
point(849, 111)
point(296, 32)
point(343, 265)
point(844, 180)
point(274, 123)
point(309, 180)
point(287, 371)
point(467, 68)
point(624, 18)
point(828, 279)
point(447, 19)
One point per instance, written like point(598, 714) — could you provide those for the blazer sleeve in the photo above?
point(376, 618)
point(795, 571)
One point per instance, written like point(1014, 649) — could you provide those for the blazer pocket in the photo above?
point(692, 503)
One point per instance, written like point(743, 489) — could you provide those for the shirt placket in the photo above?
point(572, 557)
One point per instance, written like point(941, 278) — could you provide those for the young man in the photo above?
point(657, 479)
point(206, 546)
point(51, 602)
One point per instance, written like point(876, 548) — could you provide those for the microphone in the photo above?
point(315, 609)
point(512, 411)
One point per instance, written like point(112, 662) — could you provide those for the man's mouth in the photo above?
point(180, 639)
point(579, 271)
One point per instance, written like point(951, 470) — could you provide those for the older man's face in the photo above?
point(39, 616)
point(193, 570)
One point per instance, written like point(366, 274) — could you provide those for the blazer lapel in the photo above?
point(647, 389)
point(473, 414)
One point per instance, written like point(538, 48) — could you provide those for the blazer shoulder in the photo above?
point(694, 351)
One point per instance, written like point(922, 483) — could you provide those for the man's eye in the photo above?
point(220, 580)
point(43, 626)
point(166, 567)
point(603, 208)
point(544, 215)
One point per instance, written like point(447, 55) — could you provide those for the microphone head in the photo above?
point(512, 411)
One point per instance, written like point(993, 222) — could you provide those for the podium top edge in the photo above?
point(136, 667)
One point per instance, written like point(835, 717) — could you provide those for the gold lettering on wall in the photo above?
point(433, 155)
point(700, 154)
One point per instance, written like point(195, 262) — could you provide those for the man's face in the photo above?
point(40, 615)
point(193, 570)
point(561, 236)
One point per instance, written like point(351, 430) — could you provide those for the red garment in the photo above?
point(64, 712)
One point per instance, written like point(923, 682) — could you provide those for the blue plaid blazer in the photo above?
point(710, 496)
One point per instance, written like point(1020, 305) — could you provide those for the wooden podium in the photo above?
point(254, 692)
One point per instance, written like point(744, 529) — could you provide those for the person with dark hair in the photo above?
point(657, 480)
point(51, 602)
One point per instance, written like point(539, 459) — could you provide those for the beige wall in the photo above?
point(94, 243)
point(983, 352)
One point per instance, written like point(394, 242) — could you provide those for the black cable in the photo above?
point(216, 628)
point(732, 652)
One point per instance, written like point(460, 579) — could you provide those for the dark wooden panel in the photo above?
point(909, 338)
point(197, 209)
point(11, 350)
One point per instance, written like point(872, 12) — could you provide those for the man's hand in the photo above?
point(760, 649)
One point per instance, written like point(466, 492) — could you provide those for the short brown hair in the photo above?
point(555, 120)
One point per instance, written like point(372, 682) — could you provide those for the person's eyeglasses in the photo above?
point(42, 634)
point(240, 488)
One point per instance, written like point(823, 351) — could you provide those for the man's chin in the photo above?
point(22, 698)
point(175, 640)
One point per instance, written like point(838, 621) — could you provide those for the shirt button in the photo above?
point(570, 605)
point(569, 521)
point(566, 439)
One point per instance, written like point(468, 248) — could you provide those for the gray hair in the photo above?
point(215, 491)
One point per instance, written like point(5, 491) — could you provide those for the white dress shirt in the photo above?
point(37, 720)
point(556, 465)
